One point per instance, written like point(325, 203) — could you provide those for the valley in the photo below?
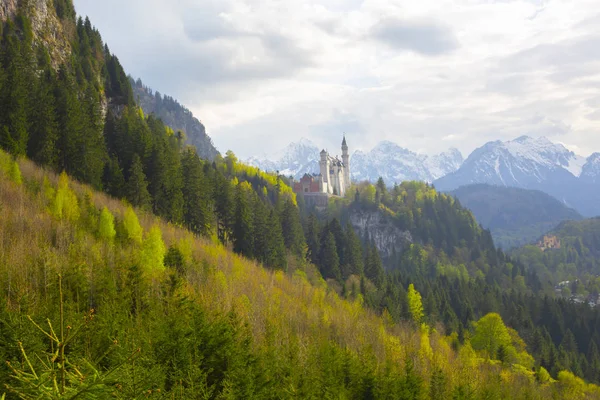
point(138, 261)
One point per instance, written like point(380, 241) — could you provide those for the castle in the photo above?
point(333, 179)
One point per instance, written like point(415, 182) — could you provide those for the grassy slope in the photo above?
point(290, 319)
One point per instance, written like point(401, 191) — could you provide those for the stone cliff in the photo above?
point(48, 30)
point(387, 236)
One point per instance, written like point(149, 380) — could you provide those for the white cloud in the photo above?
point(426, 74)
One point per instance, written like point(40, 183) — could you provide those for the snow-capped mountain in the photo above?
point(396, 164)
point(591, 170)
point(532, 163)
point(387, 160)
point(294, 160)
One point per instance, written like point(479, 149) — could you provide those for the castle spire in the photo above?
point(344, 141)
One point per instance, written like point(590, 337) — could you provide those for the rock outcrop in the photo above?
point(387, 236)
point(48, 31)
point(8, 8)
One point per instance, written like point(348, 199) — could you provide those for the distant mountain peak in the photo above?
point(176, 116)
point(306, 142)
point(531, 163)
point(387, 160)
point(296, 159)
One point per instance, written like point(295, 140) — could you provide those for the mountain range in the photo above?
point(223, 282)
point(525, 162)
point(514, 216)
point(533, 163)
point(175, 116)
point(393, 163)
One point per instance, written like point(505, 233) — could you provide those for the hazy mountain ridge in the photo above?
point(396, 164)
point(294, 160)
point(525, 162)
point(175, 116)
point(514, 216)
point(532, 164)
point(388, 160)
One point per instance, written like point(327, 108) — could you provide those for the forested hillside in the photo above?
point(460, 274)
point(238, 281)
point(175, 116)
point(104, 301)
point(514, 216)
point(577, 259)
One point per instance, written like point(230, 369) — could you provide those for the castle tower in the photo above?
point(323, 166)
point(324, 169)
point(346, 161)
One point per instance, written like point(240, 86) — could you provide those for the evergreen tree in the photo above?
point(165, 180)
point(593, 356)
point(113, 180)
point(292, 229)
point(373, 265)
point(260, 229)
point(312, 239)
point(70, 143)
point(276, 256)
point(338, 233)
point(354, 263)
point(14, 133)
point(329, 260)
point(223, 200)
point(91, 142)
point(242, 228)
point(438, 385)
point(44, 128)
point(196, 198)
point(137, 186)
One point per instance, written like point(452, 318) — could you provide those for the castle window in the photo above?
point(305, 190)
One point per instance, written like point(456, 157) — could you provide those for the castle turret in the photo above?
point(346, 161)
point(324, 168)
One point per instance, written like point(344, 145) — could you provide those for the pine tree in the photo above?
point(242, 228)
point(312, 239)
point(158, 179)
point(113, 179)
point(354, 263)
point(438, 385)
point(338, 233)
point(44, 129)
point(70, 143)
point(223, 201)
point(260, 226)
point(137, 186)
point(329, 260)
point(292, 228)
point(14, 133)
point(593, 357)
point(91, 142)
point(373, 265)
point(196, 197)
point(276, 256)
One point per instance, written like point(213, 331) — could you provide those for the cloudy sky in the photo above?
point(427, 74)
